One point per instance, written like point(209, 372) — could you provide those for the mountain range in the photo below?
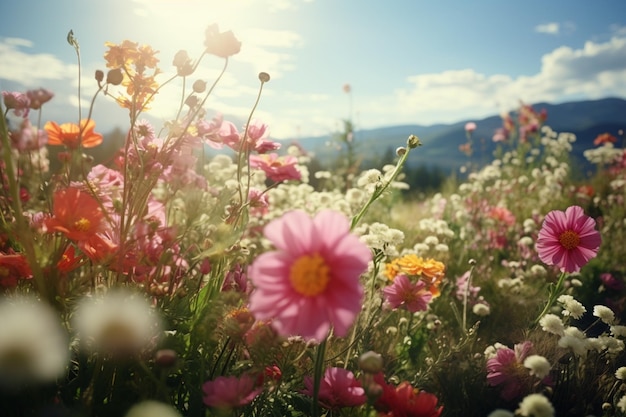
point(585, 119)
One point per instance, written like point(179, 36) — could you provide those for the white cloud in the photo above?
point(549, 28)
point(596, 70)
point(30, 69)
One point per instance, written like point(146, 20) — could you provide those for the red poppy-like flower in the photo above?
point(222, 44)
point(13, 266)
point(76, 214)
point(72, 135)
point(603, 138)
point(568, 239)
point(405, 400)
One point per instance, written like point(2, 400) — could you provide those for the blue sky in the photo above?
point(408, 62)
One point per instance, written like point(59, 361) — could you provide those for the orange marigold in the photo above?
point(72, 135)
point(429, 270)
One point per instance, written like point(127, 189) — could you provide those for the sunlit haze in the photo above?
point(408, 62)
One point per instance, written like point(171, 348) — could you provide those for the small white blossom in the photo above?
point(604, 313)
point(552, 323)
point(618, 330)
point(621, 404)
point(571, 306)
point(538, 365)
point(535, 405)
point(481, 309)
point(575, 340)
point(621, 373)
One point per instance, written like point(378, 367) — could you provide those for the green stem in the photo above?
point(412, 142)
point(554, 294)
point(317, 377)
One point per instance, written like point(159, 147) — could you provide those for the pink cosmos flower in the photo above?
point(403, 293)
point(506, 369)
point(18, 102)
point(230, 391)
point(568, 239)
point(470, 127)
point(339, 388)
point(277, 168)
point(310, 283)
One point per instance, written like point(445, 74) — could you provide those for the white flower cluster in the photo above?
point(382, 237)
point(604, 155)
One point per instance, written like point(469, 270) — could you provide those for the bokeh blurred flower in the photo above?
point(72, 135)
point(535, 405)
point(13, 267)
point(338, 388)
point(33, 345)
point(470, 127)
point(311, 282)
point(430, 270)
point(227, 392)
point(538, 366)
point(222, 44)
point(277, 168)
point(119, 323)
point(402, 292)
point(150, 408)
point(16, 101)
point(603, 138)
point(568, 239)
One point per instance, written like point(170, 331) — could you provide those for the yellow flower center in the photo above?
point(309, 275)
point(82, 224)
point(569, 239)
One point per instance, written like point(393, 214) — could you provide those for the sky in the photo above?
point(406, 61)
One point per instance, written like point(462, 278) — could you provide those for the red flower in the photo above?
point(72, 135)
point(604, 138)
point(76, 214)
point(13, 266)
point(405, 401)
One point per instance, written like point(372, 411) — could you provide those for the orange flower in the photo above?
point(72, 135)
point(120, 55)
point(76, 214)
point(69, 261)
point(604, 138)
point(429, 270)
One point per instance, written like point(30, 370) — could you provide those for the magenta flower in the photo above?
point(568, 239)
point(339, 388)
point(310, 283)
point(506, 369)
point(277, 168)
point(403, 293)
point(230, 391)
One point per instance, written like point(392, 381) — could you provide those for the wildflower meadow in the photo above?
point(205, 269)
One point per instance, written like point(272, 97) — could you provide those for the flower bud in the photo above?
point(371, 362)
point(199, 86)
point(264, 77)
point(413, 142)
point(115, 76)
point(401, 151)
point(99, 76)
point(165, 358)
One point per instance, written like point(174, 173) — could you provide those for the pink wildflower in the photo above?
point(568, 239)
point(339, 388)
point(18, 102)
point(28, 137)
point(311, 282)
point(39, 97)
point(230, 392)
point(470, 127)
point(277, 168)
point(403, 293)
point(507, 369)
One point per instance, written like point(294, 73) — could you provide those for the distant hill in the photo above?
point(585, 119)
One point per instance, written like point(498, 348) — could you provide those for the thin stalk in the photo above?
point(317, 377)
point(554, 294)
